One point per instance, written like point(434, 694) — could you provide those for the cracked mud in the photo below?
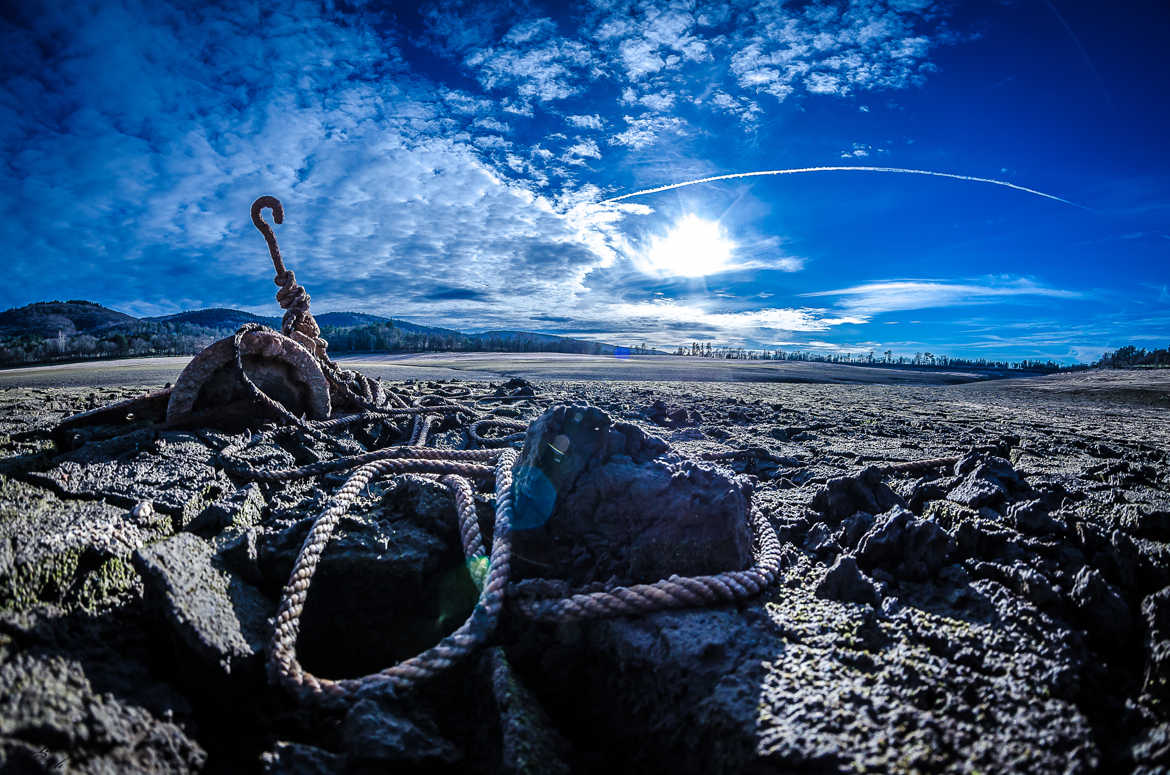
point(1008, 613)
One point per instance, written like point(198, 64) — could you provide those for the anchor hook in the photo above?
point(277, 208)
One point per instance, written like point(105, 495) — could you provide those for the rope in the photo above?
point(475, 432)
point(674, 592)
point(455, 468)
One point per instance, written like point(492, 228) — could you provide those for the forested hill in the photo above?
point(48, 318)
point(67, 330)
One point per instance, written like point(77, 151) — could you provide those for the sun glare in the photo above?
point(694, 247)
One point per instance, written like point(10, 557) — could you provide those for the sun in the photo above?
point(694, 247)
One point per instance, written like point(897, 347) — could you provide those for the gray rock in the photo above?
point(66, 551)
point(50, 700)
point(1146, 521)
point(987, 481)
point(632, 693)
point(846, 582)
point(242, 508)
point(853, 528)
point(1033, 517)
point(820, 541)
point(909, 547)
point(393, 578)
point(860, 491)
point(219, 619)
point(597, 499)
point(1156, 613)
point(1102, 609)
point(386, 732)
point(975, 492)
point(174, 470)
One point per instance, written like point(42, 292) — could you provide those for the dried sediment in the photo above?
point(1005, 613)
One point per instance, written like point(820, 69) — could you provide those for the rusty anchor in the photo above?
point(218, 387)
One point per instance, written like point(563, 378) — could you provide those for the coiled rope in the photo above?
point(456, 469)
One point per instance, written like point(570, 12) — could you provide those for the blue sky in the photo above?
point(450, 163)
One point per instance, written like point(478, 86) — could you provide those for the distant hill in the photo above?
point(55, 330)
point(46, 318)
point(349, 319)
point(217, 317)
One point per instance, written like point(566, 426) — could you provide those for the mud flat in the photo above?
point(1007, 612)
point(487, 366)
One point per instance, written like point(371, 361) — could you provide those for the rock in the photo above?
point(674, 686)
point(1102, 609)
point(1033, 517)
point(853, 528)
point(987, 481)
point(385, 732)
point(660, 413)
point(174, 470)
point(240, 554)
point(909, 547)
point(860, 491)
point(242, 508)
point(516, 388)
point(926, 490)
point(975, 492)
point(220, 620)
point(1145, 521)
point(820, 541)
point(597, 499)
point(66, 551)
point(847, 583)
point(393, 578)
point(1156, 613)
point(1027, 582)
point(530, 743)
point(50, 700)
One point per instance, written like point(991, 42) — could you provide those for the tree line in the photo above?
point(1130, 356)
point(148, 338)
point(870, 358)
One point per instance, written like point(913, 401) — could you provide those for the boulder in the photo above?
point(846, 582)
point(217, 618)
point(242, 508)
point(393, 578)
point(860, 491)
point(1102, 609)
point(598, 500)
point(906, 546)
point(67, 551)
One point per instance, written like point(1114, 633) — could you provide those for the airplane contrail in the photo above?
point(799, 170)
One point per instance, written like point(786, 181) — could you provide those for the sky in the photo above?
point(456, 164)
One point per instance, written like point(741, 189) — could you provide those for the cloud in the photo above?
point(876, 298)
point(861, 151)
point(644, 130)
point(592, 121)
point(581, 150)
point(139, 198)
point(732, 323)
point(534, 63)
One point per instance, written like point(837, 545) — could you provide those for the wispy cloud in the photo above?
point(893, 296)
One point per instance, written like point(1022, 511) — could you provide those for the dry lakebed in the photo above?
point(1007, 611)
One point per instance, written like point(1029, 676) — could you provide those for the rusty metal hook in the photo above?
point(277, 208)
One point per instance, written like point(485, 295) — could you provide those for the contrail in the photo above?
point(737, 175)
